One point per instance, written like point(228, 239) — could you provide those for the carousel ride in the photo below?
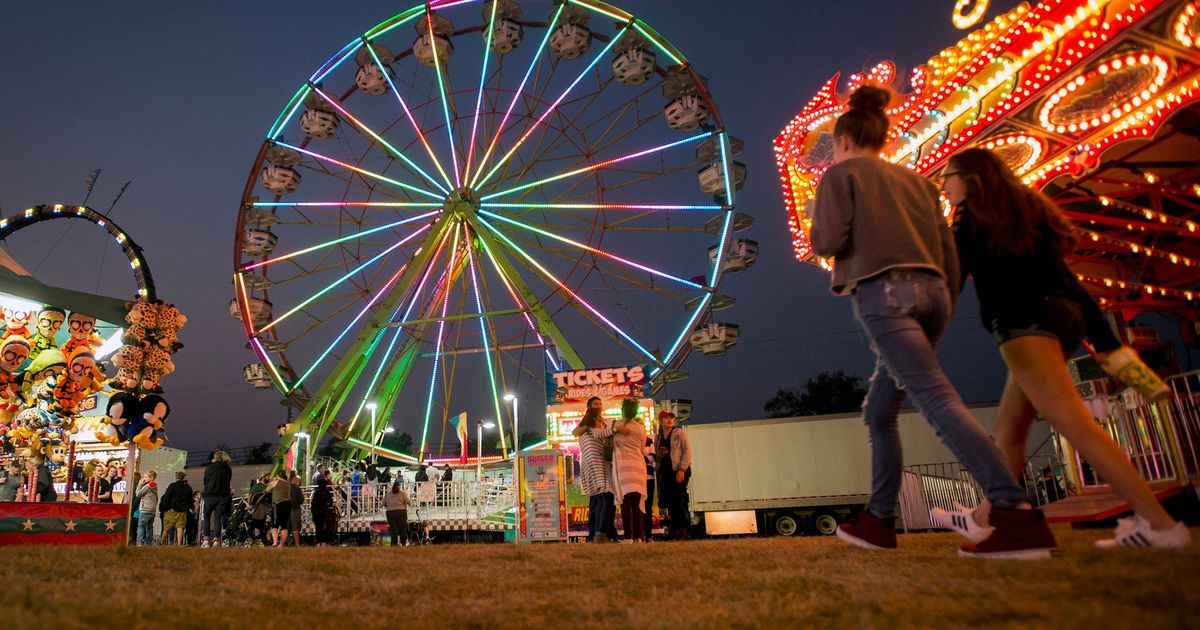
point(1092, 102)
point(56, 401)
point(471, 193)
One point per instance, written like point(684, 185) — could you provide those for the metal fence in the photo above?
point(465, 502)
point(1162, 441)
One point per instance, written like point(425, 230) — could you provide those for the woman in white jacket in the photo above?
point(629, 468)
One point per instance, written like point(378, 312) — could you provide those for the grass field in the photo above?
point(750, 582)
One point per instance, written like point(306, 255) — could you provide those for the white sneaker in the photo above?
point(961, 520)
point(1135, 531)
point(204, 545)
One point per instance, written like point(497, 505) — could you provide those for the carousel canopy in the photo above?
point(1095, 102)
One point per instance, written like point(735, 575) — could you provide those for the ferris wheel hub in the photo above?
point(461, 203)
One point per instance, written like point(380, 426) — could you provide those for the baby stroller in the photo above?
point(237, 533)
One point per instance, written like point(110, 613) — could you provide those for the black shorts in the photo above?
point(283, 514)
point(1056, 317)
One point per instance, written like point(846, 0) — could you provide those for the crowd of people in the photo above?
point(903, 268)
point(618, 459)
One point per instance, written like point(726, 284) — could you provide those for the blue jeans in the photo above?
point(145, 529)
point(600, 512)
point(904, 318)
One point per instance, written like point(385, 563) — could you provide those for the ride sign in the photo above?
point(606, 383)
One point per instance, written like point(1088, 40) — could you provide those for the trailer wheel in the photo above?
point(785, 524)
point(825, 523)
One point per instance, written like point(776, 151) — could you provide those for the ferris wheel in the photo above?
point(472, 193)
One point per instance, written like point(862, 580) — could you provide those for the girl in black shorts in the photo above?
point(1012, 240)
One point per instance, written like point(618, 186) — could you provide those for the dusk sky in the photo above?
point(177, 97)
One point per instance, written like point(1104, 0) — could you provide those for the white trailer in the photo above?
point(787, 475)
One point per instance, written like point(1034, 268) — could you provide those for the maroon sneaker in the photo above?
point(1019, 535)
point(869, 531)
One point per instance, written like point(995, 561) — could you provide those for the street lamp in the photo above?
point(516, 432)
point(483, 424)
point(301, 435)
point(372, 406)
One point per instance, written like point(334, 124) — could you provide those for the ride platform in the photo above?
point(1103, 506)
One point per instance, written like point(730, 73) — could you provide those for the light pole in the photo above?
point(307, 457)
point(516, 432)
point(372, 406)
point(483, 424)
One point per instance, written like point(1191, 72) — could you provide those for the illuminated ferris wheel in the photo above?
point(471, 191)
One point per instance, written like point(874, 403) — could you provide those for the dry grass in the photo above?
point(714, 583)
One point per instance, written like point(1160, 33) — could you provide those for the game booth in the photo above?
point(80, 402)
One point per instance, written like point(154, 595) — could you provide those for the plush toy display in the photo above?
point(81, 379)
point(168, 321)
point(129, 366)
point(16, 323)
point(83, 334)
point(13, 352)
point(122, 407)
point(142, 319)
point(37, 383)
point(50, 320)
point(156, 365)
point(152, 410)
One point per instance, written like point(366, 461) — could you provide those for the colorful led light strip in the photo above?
point(437, 355)
point(657, 40)
point(588, 248)
point(413, 121)
point(516, 300)
point(393, 22)
point(360, 171)
point(687, 330)
point(575, 296)
point(437, 69)
point(487, 51)
point(593, 167)
point(483, 333)
point(393, 151)
point(345, 53)
point(517, 94)
point(337, 241)
point(262, 353)
point(345, 277)
point(347, 204)
point(601, 206)
point(289, 110)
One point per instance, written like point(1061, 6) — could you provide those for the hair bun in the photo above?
point(870, 98)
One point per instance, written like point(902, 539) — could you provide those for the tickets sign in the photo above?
point(577, 386)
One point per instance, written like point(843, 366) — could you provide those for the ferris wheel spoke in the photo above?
point(598, 166)
point(361, 171)
point(390, 150)
point(483, 333)
point(346, 276)
point(411, 119)
point(440, 339)
point(593, 250)
point(442, 79)
point(553, 107)
point(614, 272)
point(537, 56)
point(582, 302)
point(338, 241)
point(487, 49)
